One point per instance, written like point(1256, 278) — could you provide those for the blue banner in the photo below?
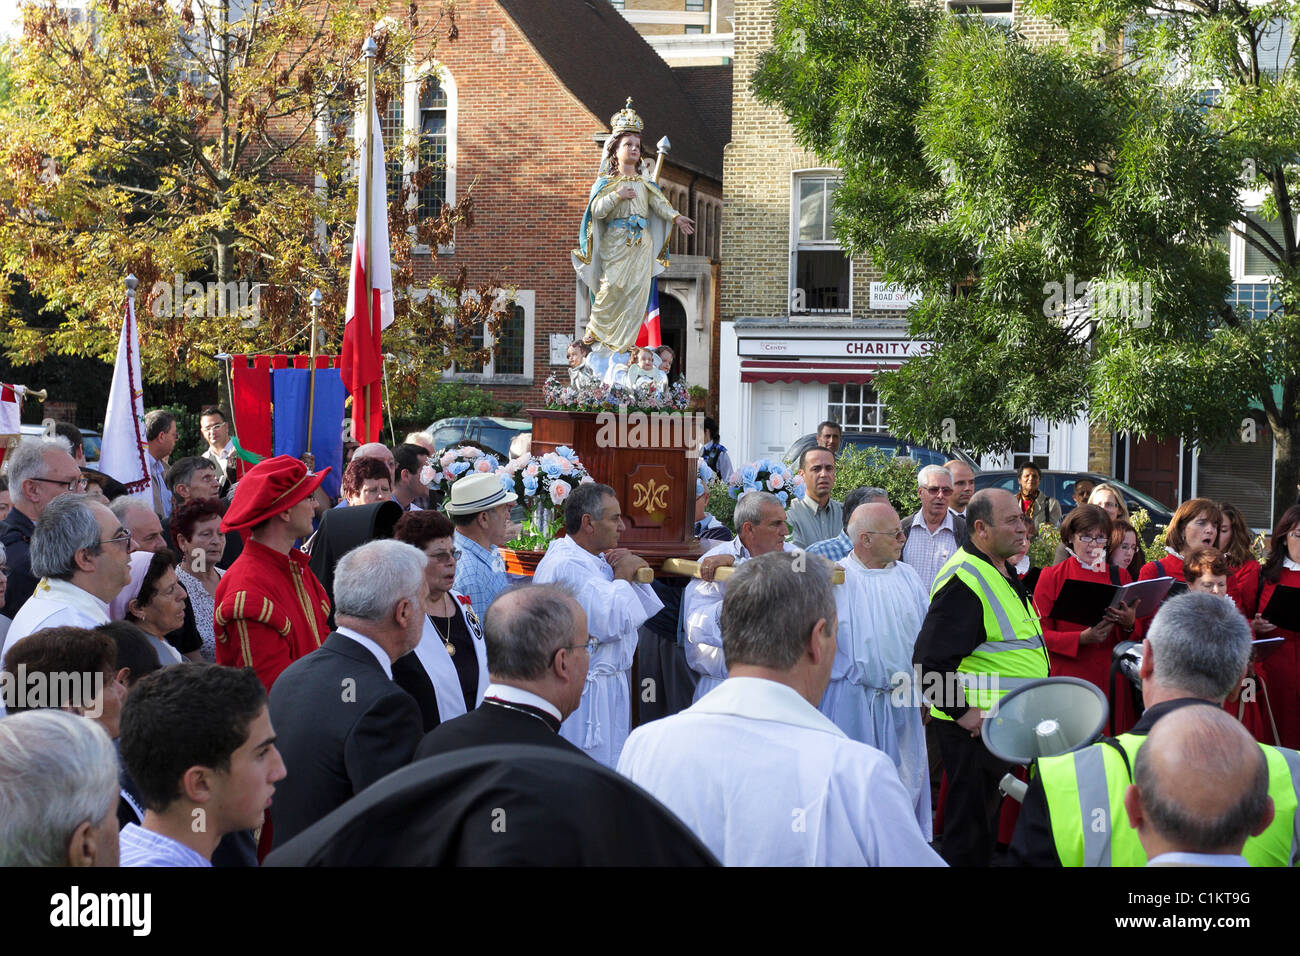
point(289, 397)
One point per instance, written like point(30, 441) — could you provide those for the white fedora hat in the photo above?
point(478, 491)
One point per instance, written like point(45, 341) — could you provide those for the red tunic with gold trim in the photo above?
point(270, 611)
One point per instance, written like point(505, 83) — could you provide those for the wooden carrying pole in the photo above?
point(691, 569)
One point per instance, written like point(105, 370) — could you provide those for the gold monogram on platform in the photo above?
point(649, 495)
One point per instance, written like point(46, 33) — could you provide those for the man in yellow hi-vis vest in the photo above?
point(1195, 655)
point(980, 640)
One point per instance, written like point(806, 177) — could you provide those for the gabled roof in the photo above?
point(709, 88)
point(602, 61)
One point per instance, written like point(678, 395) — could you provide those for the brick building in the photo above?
point(520, 110)
point(804, 329)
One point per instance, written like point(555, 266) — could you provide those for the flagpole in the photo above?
point(316, 299)
point(370, 50)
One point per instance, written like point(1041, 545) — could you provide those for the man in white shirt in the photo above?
point(1200, 789)
point(81, 556)
point(934, 533)
point(963, 485)
point(40, 469)
point(760, 775)
point(881, 606)
point(408, 462)
point(162, 434)
point(198, 744)
point(600, 574)
point(761, 521)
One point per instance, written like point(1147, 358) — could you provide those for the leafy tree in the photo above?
point(992, 173)
point(182, 140)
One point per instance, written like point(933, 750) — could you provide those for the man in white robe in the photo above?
point(761, 519)
point(881, 606)
point(81, 557)
point(760, 776)
point(589, 561)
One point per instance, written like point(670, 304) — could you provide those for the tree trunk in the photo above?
point(1286, 470)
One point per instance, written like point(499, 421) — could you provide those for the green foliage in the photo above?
point(189, 440)
point(996, 175)
point(137, 143)
point(1154, 551)
point(443, 400)
point(721, 505)
point(877, 468)
point(1042, 546)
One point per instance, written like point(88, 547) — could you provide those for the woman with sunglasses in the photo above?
point(1083, 648)
point(447, 673)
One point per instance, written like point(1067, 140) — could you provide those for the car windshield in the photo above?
point(447, 435)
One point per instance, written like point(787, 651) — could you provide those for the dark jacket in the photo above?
point(494, 724)
point(340, 725)
point(16, 536)
point(500, 805)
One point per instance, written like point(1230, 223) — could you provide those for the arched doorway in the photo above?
point(672, 331)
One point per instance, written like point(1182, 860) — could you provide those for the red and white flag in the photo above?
point(11, 406)
point(362, 363)
point(122, 451)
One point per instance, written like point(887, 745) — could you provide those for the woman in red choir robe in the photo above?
point(1194, 525)
point(1279, 664)
point(1083, 648)
point(1243, 569)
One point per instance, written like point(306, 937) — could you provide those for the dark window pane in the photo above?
point(510, 339)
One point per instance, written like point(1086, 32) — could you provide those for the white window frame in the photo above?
point(832, 408)
point(527, 300)
point(1237, 254)
point(412, 78)
point(972, 7)
point(797, 246)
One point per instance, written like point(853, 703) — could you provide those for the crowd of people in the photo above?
point(257, 656)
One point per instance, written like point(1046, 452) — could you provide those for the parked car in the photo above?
point(90, 440)
point(886, 442)
point(1060, 485)
point(495, 434)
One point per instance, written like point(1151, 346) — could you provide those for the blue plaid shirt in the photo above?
point(480, 572)
point(832, 549)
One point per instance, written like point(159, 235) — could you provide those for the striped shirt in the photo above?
point(927, 552)
point(140, 847)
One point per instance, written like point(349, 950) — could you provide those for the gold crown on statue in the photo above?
point(626, 120)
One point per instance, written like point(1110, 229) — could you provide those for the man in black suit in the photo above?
point(538, 652)
point(342, 722)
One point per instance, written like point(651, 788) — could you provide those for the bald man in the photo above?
point(963, 485)
point(378, 450)
point(1200, 789)
point(881, 607)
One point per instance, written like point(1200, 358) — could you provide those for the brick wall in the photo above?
point(757, 177)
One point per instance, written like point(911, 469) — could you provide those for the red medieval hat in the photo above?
point(268, 488)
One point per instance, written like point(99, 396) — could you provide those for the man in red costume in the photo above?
point(270, 609)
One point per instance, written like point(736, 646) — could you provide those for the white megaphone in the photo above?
point(1043, 718)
